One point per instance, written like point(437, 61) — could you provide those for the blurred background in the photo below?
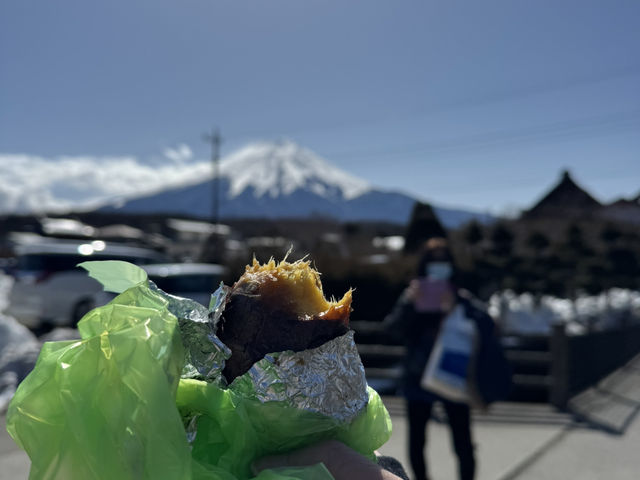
point(189, 137)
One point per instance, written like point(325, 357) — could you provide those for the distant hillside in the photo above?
point(283, 180)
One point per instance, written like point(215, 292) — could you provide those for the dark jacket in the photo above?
point(419, 331)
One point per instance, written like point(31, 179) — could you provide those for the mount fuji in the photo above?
point(282, 179)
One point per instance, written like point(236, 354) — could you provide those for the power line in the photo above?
point(590, 127)
point(488, 98)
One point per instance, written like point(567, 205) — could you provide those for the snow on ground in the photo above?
point(19, 350)
point(19, 347)
point(530, 314)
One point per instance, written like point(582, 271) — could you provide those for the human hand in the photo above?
point(342, 462)
point(412, 290)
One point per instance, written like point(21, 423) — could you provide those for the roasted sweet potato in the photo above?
point(277, 307)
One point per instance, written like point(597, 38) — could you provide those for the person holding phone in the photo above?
point(416, 319)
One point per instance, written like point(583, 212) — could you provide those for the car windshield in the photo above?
point(34, 263)
point(63, 262)
point(187, 283)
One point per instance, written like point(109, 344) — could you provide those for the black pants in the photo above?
point(459, 418)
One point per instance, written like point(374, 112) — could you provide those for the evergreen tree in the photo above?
point(423, 225)
point(538, 242)
point(610, 234)
point(502, 239)
point(473, 233)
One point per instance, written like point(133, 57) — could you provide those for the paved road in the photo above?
point(14, 463)
point(610, 448)
point(590, 455)
point(505, 438)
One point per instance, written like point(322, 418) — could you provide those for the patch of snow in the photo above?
point(395, 243)
point(529, 314)
point(19, 347)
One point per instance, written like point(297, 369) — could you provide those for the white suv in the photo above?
point(49, 289)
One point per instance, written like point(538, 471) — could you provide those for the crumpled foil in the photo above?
point(328, 379)
point(205, 353)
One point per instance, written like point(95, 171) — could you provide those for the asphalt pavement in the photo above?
point(505, 438)
point(14, 463)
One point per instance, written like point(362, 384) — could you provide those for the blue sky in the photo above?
point(474, 104)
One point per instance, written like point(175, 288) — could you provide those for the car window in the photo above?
point(187, 283)
point(135, 260)
point(51, 263)
point(63, 262)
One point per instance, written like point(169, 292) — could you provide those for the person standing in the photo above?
point(416, 318)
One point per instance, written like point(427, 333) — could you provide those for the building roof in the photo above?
point(565, 198)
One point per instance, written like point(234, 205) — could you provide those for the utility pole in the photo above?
point(215, 140)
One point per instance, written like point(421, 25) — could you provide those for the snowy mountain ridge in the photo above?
point(283, 167)
point(284, 180)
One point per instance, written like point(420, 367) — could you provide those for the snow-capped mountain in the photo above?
point(282, 179)
point(281, 168)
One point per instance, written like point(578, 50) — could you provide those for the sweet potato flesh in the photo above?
point(295, 287)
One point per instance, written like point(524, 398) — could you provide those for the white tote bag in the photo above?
point(446, 373)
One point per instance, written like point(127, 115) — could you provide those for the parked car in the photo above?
point(49, 290)
point(196, 281)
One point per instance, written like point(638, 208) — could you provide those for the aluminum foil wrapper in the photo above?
point(205, 354)
point(329, 379)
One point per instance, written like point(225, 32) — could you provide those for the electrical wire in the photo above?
point(429, 110)
point(573, 129)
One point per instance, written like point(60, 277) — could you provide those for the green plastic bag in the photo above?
point(112, 405)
